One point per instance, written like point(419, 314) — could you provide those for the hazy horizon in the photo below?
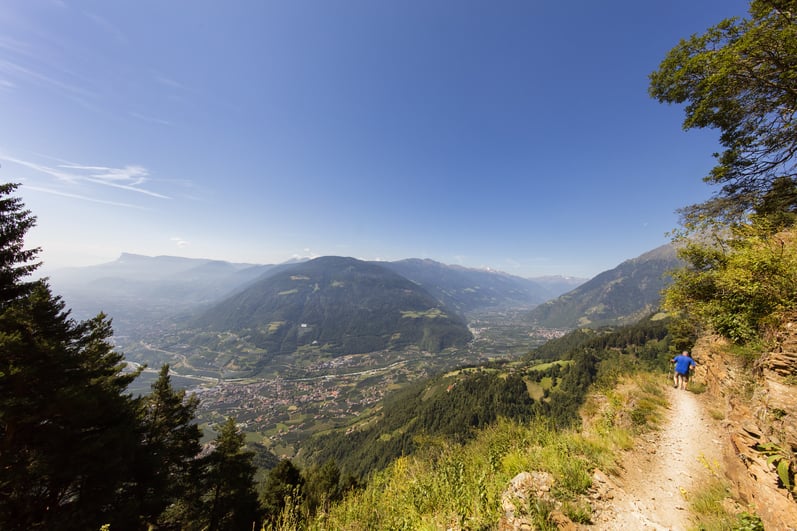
point(45, 270)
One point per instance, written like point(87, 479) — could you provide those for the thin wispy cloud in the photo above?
point(43, 60)
point(81, 197)
point(173, 89)
point(127, 187)
point(307, 254)
point(181, 243)
point(130, 178)
point(41, 168)
point(150, 119)
point(14, 46)
point(107, 26)
point(132, 175)
point(22, 73)
point(168, 82)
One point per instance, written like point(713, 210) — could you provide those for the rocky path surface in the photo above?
point(661, 471)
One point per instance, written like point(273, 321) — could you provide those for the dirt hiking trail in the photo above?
point(665, 466)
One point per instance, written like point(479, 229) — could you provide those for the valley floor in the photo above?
point(664, 469)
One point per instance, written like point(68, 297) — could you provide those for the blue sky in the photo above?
point(514, 135)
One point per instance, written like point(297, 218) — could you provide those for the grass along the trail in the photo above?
point(451, 486)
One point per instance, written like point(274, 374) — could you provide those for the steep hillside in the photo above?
point(441, 454)
point(471, 289)
point(549, 384)
point(340, 304)
point(451, 406)
point(621, 295)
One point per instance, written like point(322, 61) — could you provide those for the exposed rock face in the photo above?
point(761, 411)
point(512, 503)
point(515, 500)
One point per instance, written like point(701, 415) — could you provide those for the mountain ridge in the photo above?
point(621, 295)
point(140, 290)
point(469, 289)
point(345, 304)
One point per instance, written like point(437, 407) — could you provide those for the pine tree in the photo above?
point(16, 262)
point(67, 428)
point(323, 486)
point(166, 463)
point(230, 501)
point(284, 481)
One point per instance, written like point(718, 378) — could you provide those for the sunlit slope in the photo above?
point(621, 295)
point(341, 304)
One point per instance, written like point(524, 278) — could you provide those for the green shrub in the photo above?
point(748, 522)
point(580, 513)
point(739, 285)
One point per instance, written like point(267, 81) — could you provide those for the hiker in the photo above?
point(683, 364)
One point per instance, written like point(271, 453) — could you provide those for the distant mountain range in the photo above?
point(139, 290)
point(470, 290)
point(622, 295)
point(136, 289)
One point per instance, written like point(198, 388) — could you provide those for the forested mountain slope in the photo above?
point(621, 295)
point(341, 304)
point(549, 383)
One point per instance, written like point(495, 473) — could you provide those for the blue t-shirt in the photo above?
point(682, 363)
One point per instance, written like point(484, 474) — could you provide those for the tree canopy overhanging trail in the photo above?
point(740, 77)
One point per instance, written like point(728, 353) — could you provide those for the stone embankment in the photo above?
point(760, 401)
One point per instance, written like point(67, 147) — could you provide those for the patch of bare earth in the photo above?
point(663, 468)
